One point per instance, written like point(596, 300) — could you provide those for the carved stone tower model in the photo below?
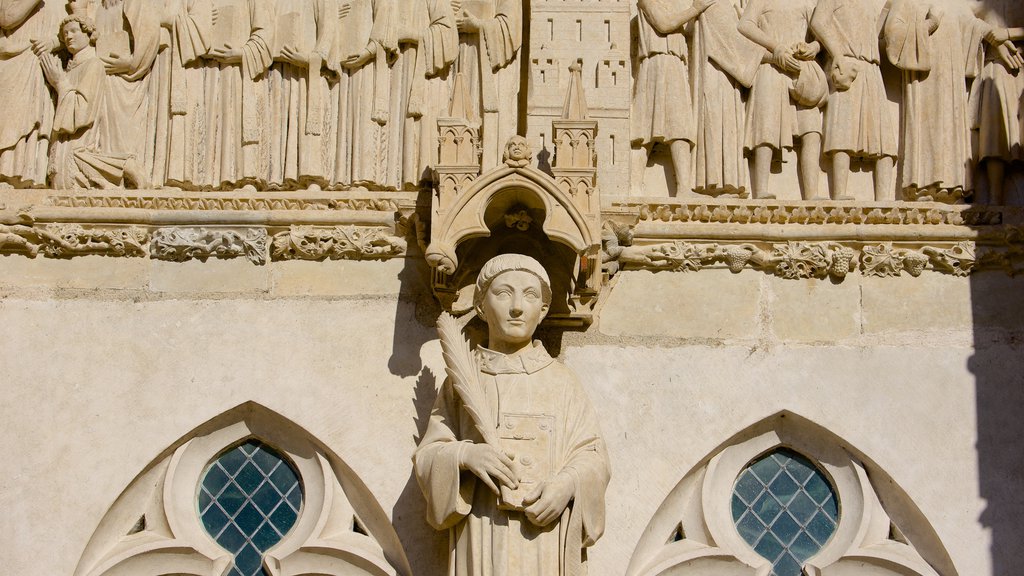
point(594, 33)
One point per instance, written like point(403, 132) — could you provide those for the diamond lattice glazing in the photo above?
point(248, 500)
point(785, 508)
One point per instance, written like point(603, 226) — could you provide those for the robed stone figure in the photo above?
point(512, 462)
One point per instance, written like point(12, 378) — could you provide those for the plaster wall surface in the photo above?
point(108, 363)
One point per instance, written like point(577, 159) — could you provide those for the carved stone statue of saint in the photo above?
point(935, 50)
point(995, 102)
point(512, 462)
point(662, 105)
point(785, 100)
point(858, 123)
point(726, 62)
point(77, 159)
point(28, 114)
point(490, 37)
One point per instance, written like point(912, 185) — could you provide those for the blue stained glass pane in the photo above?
point(767, 508)
point(265, 460)
point(284, 478)
point(765, 470)
point(785, 508)
point(231, 539)
point(784, 488)
point(249, 478)
point(818, 489)
point(214, 519)
point(215, 480)
point(800, 471)
point(750, 528)
point(831, 507)
point(803, 547)
point(770, 547)
point(267, 498)
point(748, 488)
point(232, 460)
point(802, 508)
point(821, 528)
point(248, 500)
point(785, 529)
point(283, 518)
point(787, 565)
point(231, 499)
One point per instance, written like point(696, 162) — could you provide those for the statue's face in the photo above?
point(513, 307)
point(75, 38)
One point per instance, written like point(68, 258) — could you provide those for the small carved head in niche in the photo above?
point(517, 152)
point(513, 295)
point(77, 33)
point(518, 217)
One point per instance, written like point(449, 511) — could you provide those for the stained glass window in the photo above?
point(785, 508)
point(249, 499)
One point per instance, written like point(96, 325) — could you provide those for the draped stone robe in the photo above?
point(362, 97)
point(995, 100)
point(300, 150)
point(489, 62)
point(935, 126)
point(26, 123)
point(77, 158)
point(132, 117)
point(421, 81)
point(484, 539)
point(724, 62)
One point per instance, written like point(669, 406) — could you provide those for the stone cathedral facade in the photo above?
point(781, 243)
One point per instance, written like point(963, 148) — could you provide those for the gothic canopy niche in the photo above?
point(160, 523)
point(553, 215)
point(868, 524)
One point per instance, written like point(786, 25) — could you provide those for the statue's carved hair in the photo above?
point(87, 26)
point(509, 263)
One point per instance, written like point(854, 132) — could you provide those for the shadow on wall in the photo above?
point(998, 368)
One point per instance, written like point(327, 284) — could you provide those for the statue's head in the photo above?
point(513, 294)
point(77, 33)
point(517, 152)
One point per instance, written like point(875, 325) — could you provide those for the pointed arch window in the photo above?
point(249, 499)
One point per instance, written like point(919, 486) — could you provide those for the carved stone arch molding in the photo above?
point(880, 531)
point(153, 528)
point(566, 229)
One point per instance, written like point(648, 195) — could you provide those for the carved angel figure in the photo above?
point(77, 158)
point(512, 461)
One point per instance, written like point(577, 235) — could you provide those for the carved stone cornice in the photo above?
point(182, 244)
point(257, 202)
point(336, 243)
point(63, 240)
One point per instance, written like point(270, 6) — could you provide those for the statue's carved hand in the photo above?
point(294, 57)
point(117, 64)
point(344, 10)
point(489, 465)
point(468, 24)
point(52, 71)
point(364, 57)
point(40, 47)
point(1010, 55)
point(783, 59)
point(226, 54)
point(546, 502)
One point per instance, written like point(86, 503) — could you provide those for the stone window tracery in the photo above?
point(785, 508)
point(249, 499)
